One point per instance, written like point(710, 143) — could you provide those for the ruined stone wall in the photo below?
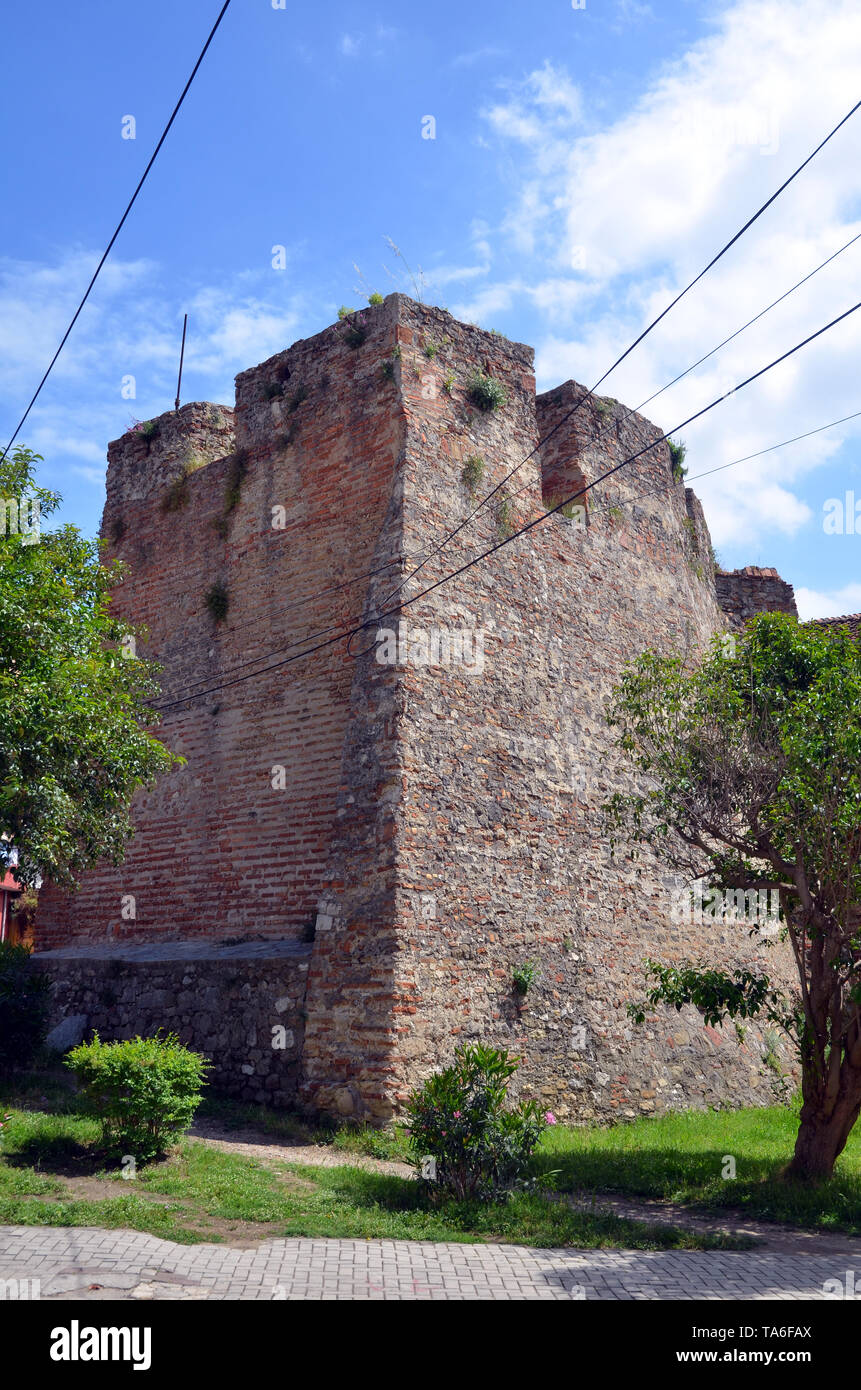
point(744, 593)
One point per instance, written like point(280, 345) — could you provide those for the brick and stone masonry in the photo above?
point(384, 833)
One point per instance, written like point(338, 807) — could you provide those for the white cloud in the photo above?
point(834, 603)
point(476, 55)
point(542, 108)
point(494, 299)
point(630, 12)
point(130, 328)
point(637, 207)
point(350, 45)
point(450, 274)
point(95, 476)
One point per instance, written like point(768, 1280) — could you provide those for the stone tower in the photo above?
point(368, 840)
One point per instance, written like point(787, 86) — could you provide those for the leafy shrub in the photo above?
point(177, 495)
point(465, 1142)
point(217, 601)
point(150, 429)
point(485, 391)
point(375, 298)
point(144, 1091)
point(504, 516)
point(237, 469)
point(524, 976)
point(472, 472)
point(25, 993)
point(677, 459)
point(24, 907)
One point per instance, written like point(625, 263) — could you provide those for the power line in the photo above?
point(119, 226)
point(368, 574)
point(694, 477)
point(717, 348)
point(759, 453)
point(507, 540)
point(646, 331)
point(773, 305)
point(303, 603)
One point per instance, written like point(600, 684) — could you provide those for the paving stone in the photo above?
point(128, 1265)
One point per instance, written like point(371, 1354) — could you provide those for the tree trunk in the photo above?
point(821, 1140)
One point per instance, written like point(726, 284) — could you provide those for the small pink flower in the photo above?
point(550, 1117)
point(457, 1114)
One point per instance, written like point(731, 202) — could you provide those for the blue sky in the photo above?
point(586, 163)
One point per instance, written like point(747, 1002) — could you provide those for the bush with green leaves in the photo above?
point(677, 459)
point(144, 1091)
point(466, 1142)
point(485, 391)
point(746, 776)
point(524, 976)
point(75, 710)
point(25, 996)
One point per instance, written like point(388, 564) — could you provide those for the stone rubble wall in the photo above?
point(230, 1005)
point(744, 593)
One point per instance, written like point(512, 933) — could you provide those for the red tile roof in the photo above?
point(851, 620)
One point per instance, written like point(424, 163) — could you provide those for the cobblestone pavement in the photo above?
point(90, 1263)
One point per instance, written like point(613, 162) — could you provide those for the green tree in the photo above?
point(74, 707)
point(751, 764)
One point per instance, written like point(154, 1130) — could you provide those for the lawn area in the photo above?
point(680, 1158)
point(51, 1174)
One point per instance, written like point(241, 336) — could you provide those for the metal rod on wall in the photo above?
point(181, 356)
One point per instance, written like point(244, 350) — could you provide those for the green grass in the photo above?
point(680, 1157)
point(374, 1143)
point(120, 1213)
point(349, 1138)
point(52, 1174)
point(354, 1203)
point(49, 1159)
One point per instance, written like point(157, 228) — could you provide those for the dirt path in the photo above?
point(271, 1149)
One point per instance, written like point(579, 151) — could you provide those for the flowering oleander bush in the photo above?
point(145, 1090)
point(466, 1141)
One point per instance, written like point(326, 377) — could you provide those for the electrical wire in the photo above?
point(507, 540)
point(119, 226)
point(619, 360)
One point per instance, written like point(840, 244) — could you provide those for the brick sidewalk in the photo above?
point(129, 1265)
